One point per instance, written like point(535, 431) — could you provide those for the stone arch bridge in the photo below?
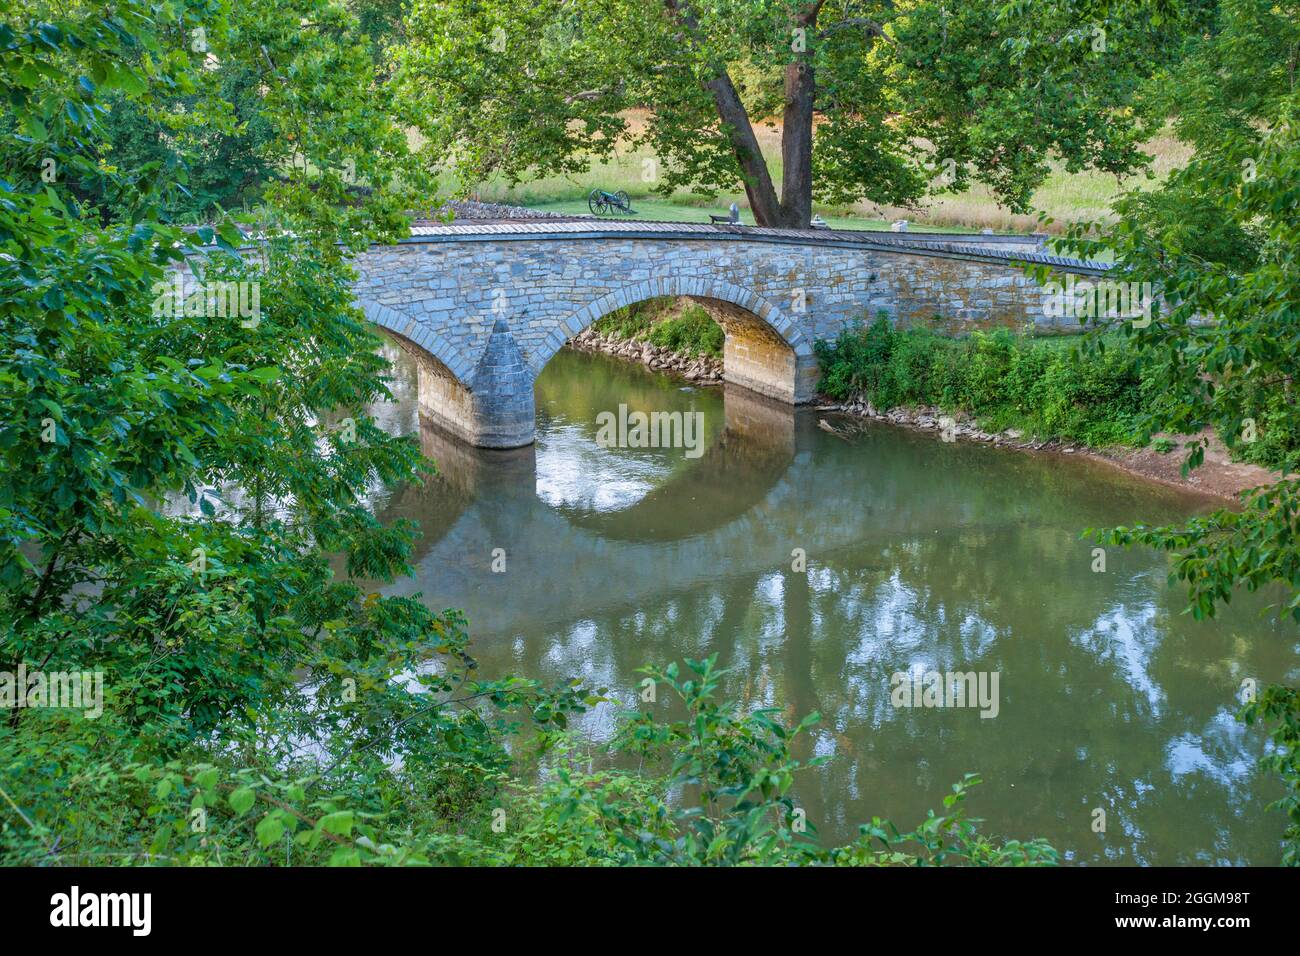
point(484, 305)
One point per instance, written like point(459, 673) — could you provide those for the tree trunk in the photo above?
point(797, 144)
point(793, 210)
point(758, 181)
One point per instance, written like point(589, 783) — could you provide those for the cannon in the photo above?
point(602, 203)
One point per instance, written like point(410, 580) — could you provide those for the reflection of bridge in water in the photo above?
point(734, 475)
point(711, 513)
point(740, 509)
point(771, 482)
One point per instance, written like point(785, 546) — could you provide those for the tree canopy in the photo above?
point(882, 101)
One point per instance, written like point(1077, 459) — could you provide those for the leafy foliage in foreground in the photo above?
point(1281, 706)
point(1235, 101)
point(717, 793)
point(1221, 352)
point(184, 510)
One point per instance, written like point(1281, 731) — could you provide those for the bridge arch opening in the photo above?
point(764, 350)
point(754, 355)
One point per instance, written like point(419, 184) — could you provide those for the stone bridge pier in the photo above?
point(484, 306)
point(492, 406)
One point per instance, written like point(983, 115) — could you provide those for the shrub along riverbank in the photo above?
point(1042, 388)
point(666, 334)
point(1065, 388)
point(667, 322)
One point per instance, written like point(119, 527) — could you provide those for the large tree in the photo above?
point(880, 100)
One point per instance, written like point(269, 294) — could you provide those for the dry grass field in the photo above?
point(1064, 196)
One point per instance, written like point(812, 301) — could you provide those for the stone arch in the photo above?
point(411, 332)
point(765, 350)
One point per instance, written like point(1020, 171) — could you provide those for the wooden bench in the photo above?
point(731, 219)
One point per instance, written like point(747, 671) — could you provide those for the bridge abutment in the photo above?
point(503, 413)
point(755, 357)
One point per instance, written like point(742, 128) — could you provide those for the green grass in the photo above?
point(667, 210)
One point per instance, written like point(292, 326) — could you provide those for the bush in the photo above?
point(1278, 429)
point(858, 363)
point(716, 790)
point(1003, 379)
point(691, 331)
point(988, 366)
point(630, 322)
point(1280, 706)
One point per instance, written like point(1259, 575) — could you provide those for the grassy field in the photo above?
point(688, 210)
point(1064, 196)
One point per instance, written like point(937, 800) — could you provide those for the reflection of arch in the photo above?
point(765, 350)
point(735, 474)
point(729, 480)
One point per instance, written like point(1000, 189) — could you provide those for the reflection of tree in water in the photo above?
point(1082, 690)
point(828, 641)
point(955, 557)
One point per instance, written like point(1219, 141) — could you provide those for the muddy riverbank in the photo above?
point(1219, 476)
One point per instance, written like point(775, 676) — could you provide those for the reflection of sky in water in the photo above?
point(892, 631)
point(1128, 638)
point(578, 651)
point(574, 472)
point(1219, 752)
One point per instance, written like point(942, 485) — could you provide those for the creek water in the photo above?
point(920, 555)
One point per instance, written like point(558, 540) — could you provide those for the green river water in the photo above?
point(920, 554)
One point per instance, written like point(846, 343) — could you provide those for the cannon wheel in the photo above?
point(623, 201)
point(596, 203)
